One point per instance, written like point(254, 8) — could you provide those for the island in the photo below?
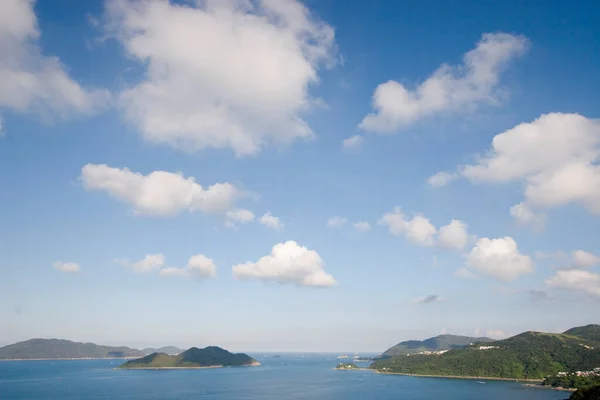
point(193, 358)
point(54, 349)
point(527, 356)
point(346, 366)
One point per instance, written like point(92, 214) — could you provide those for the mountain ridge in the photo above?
point(528, 355)
point(435, 343)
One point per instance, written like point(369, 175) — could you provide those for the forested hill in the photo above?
point(194, 357)
point(59, 348)
point(441, 342)
point(530, 355)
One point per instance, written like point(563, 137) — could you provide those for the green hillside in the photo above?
point(194, 357)
point(441, 342)
point(58, 348)
point(530, 355)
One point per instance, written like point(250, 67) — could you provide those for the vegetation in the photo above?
point(441, 342)
point(572, 381)
point(58, 348)
point(194, 357)
point(346, 366)
point(592, 393)
point(530, 355)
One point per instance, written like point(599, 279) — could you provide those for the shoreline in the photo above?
point(481, 378)
point(64, 359)
point(255, 364)
point(562, 389)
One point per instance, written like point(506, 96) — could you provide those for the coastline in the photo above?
point(63, 359)
point(254, 364)
point(481, 378)
point(562, 389)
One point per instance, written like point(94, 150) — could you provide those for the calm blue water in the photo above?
point(289, 377)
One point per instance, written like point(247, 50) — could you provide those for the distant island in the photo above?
point(208, 357)
point(437, 343)
point(172, 350)
point(346, 366)
point(63, 349)
point(527, 356)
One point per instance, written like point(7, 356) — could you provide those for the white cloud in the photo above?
point(224, 74)
point(287, 263)
point(198, 266)
point(421, 231)
point(151, 262)
point(160, 192)
point(454, 235)
point(418, 229)
point(353, 143)
point(271, 221)
point(556, 156)
point(432, 298)
point(583, 282)
point(362, 226)
point(233, 218)
point(463, 273)
point(69, 267)
point(336, 222)
point(499, 258)
point(525, 216)
point(30, 81)
point(583, 259)
point(449, 88)
point(441, 179)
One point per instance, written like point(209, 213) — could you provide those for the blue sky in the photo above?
point(143, 144)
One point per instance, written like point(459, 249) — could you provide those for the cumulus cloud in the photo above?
point(556, 157)
point(448, 88)
point(464, 273)
point(576, 280)
point(159, 193)
point(524, 216)
point(362, 226)
point(233, 218)
point(419, 230)
point(287, 263)
point(499, 258)
point(353, 143)
point(336, 222)
point(222, 74)
point(583, 259)
point(151, 262)
point(432, 298)
point(69, 267)
point(454, 235)
point(271, 221)
point(441, 179)
point(30, 81)
point(198, 266)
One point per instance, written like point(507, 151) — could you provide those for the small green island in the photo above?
point(346, 366)
point(193, 358)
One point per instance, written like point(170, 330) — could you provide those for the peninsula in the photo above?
point(208, 357)
point(527, 356)
point(53, 349)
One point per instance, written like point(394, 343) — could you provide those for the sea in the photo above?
point(290, 376)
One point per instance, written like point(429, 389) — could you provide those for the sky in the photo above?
point(274, 175)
